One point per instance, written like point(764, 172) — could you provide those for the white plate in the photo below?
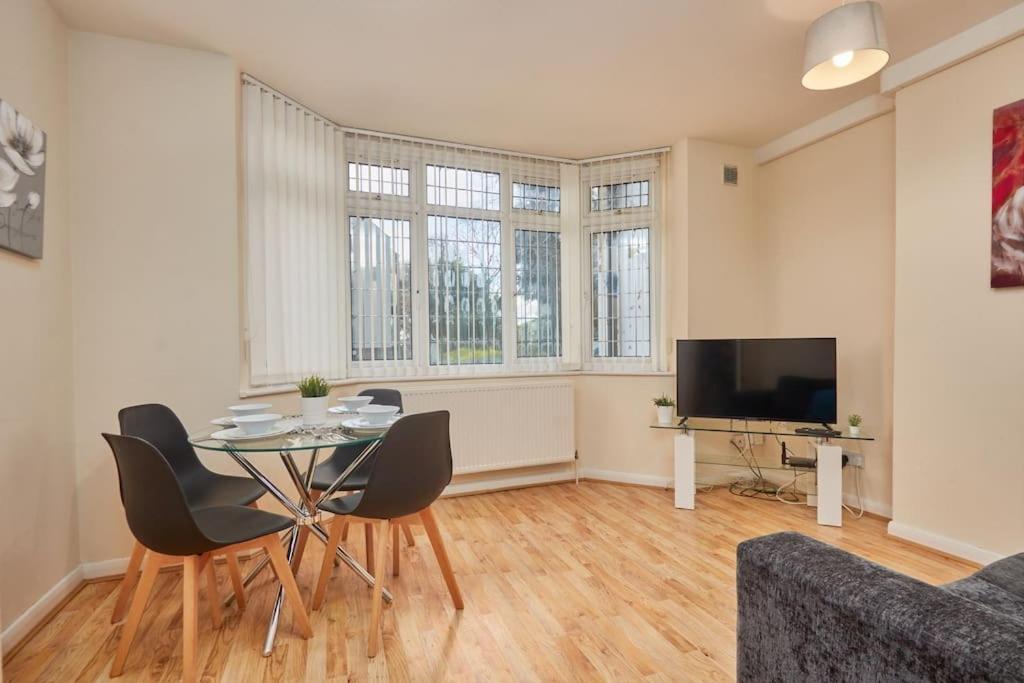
point(223, 422)
point(362, 424)
point(340, 410)
point(236, 434)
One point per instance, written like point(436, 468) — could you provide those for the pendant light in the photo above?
point(845, 46)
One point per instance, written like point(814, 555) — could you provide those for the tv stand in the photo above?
point(829, 469)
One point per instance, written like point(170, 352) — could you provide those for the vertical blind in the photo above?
point(371, 255)
point(295, 321)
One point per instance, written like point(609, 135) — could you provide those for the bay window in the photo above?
point(376, 256)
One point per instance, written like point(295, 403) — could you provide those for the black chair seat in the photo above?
point(219, 490)
point(343, 505)
point(230, 524)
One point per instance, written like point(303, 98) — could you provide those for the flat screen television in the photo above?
point(787, 380)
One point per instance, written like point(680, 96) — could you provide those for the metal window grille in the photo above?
point(464, 290)
point(621, 293)
point(381, 288)
point(463, 188)
point(531, 197)
point(377, 179)
point(538, 293)
point(629, 195)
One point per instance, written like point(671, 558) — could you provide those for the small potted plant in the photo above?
point(314, 390)
point(854, 421)
point(665, 407)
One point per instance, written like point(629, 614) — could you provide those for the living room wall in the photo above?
point(958, 439)
point(39, 546)
point(826, 234)
point(155, 255)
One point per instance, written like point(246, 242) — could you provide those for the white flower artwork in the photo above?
point(22, 182)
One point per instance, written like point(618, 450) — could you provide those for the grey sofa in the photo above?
point(811, 612)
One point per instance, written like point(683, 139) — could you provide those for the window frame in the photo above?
point(610, 220)
point(575, 223)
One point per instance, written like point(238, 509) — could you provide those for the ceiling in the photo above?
point(571, 78)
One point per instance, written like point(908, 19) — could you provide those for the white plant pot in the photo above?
point(854, 431)
point(665, 414)
point(314, 410)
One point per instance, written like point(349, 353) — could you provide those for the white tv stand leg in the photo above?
point(686, 470)
point(830, 484)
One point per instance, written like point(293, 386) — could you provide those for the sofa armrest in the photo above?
point(808, 611)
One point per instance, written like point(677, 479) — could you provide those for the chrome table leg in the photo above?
point(275, 615)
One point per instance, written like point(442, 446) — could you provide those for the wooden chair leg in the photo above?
point(190, 619)
point(395, 548)
point(344, 531)
point(409, 538)
point(327, 566)
point(378, 586)
point(434, 534)
point(291, 589)
point(300, 549)
point(371, 564)
point(316, 493)
point(131, 577)
point(131, 625)
point(235, 572)
point(212, 596)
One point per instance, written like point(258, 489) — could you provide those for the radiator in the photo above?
point(503, 426)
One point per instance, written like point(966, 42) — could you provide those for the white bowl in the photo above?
point(249, 408)
point(377, 414)
point(355, 402)
point(253, 425)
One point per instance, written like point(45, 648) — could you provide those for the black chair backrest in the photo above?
point(154, 502)
point(413, 465)
point(384, 397)
point(158, 425)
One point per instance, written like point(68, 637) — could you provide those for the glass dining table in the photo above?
point(254, 454)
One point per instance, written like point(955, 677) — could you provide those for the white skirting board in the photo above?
point(27, 620)
point(944, 544)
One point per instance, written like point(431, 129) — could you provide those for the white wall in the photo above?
point(155, 250)
point(39, 544)
point(826, 238)
point(958, 418)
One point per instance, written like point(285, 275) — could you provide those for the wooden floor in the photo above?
point(595, 581)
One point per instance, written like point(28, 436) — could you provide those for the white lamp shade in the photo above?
point(853, 34)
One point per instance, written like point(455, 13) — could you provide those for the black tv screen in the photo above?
point(788, 380)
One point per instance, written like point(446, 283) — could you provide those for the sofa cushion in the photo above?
point(999, 586)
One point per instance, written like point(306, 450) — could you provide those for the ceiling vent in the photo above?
point(730, 175)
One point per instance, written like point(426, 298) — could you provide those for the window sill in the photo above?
point(252, 392)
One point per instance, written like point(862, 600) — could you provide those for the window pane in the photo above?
point(378, 179)
point(381, 288)
point(620, 196)
point(621, 275)
point(464, 290)
point(463, 188)
point(538, 294)
point(529, 197)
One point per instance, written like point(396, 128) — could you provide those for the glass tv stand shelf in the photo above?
point(828, 467)
point(700, 427)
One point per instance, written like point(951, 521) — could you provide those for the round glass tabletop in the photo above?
point(290, 435)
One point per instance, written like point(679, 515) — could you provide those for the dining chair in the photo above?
point(203, 488)
point(412, 468)
point(330, 469)
point(172, 531)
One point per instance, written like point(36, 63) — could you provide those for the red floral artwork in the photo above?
point(1008, 196)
